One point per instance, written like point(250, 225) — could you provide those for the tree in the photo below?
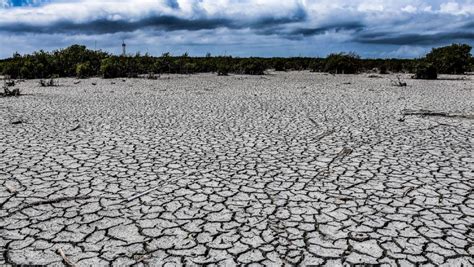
point(453, 59)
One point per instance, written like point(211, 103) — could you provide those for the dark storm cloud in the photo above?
point(469, 25)
point(160, 22)
point(299, 15)
point(346, 26)
point(385, 38)
point(101, 26)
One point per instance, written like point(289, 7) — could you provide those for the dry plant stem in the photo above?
point(67, 261)
point(431, 113)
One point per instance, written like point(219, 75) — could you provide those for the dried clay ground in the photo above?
point(290, 168)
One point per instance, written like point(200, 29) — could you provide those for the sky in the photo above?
point(267, 28)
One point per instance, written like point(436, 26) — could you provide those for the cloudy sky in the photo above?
point(371, 28)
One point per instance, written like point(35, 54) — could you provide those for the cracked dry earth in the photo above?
point(286, 169)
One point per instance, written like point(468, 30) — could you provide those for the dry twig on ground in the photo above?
point(67, 261)
point(430, 113)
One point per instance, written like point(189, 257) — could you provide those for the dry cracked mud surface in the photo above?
point(290, 168)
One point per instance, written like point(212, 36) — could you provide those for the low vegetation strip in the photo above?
point(78, 61)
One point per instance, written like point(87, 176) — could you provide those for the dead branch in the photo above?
point(53, 201)
point(143, 193)
point(313, 121)
point(398, 83)
point(8, 92)
point(325, 134)
point(75, 128)
point(346, 151)
point(67, 261)
point(48, 83)
point(430, 113)
point(408, 191)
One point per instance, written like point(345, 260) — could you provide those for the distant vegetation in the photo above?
point(78, 61)
point(343, 63)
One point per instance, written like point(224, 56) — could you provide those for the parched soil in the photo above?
point(290, 168)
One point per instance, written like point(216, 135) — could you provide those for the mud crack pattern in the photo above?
point(287, 169)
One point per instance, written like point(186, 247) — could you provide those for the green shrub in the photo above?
point(223, 69)
point(111, 68)
point(280, 65)
point(189, 68)
point(223, 65)
point(251, 67)
point(453, 59)
point(342, 63)
point(316, 66)
point(426, 71)
point(84, 70)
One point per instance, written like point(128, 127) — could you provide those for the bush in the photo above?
point(426, 71)
point(280, 65)
point(48, 83)
point(6, 90)
point(189, 68)
point(223, 69)
point(110, 68)
point(453, 59)
point(342, 63)
point(383, 70)
point(84, 70)
point(251, 67)
point(316, 66)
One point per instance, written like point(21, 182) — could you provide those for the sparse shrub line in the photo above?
point(80, 62)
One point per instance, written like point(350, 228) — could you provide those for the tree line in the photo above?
point(78, 61)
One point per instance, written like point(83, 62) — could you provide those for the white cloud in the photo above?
point(407, 51)
point(456, 8)
point(409, 9)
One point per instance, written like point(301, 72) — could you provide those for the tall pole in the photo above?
point(124, 50)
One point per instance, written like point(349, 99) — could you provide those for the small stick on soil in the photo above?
point(408, 191)
point(325, 134)
point(55, 200)
point(422, 112)
point(313, 121)
point(346, 151)
point(142, 258)
point(398, 83)
point(67, 261)
point(75, 128)
point(143, 193)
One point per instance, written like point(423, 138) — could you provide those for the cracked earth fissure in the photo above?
point(291, 169)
